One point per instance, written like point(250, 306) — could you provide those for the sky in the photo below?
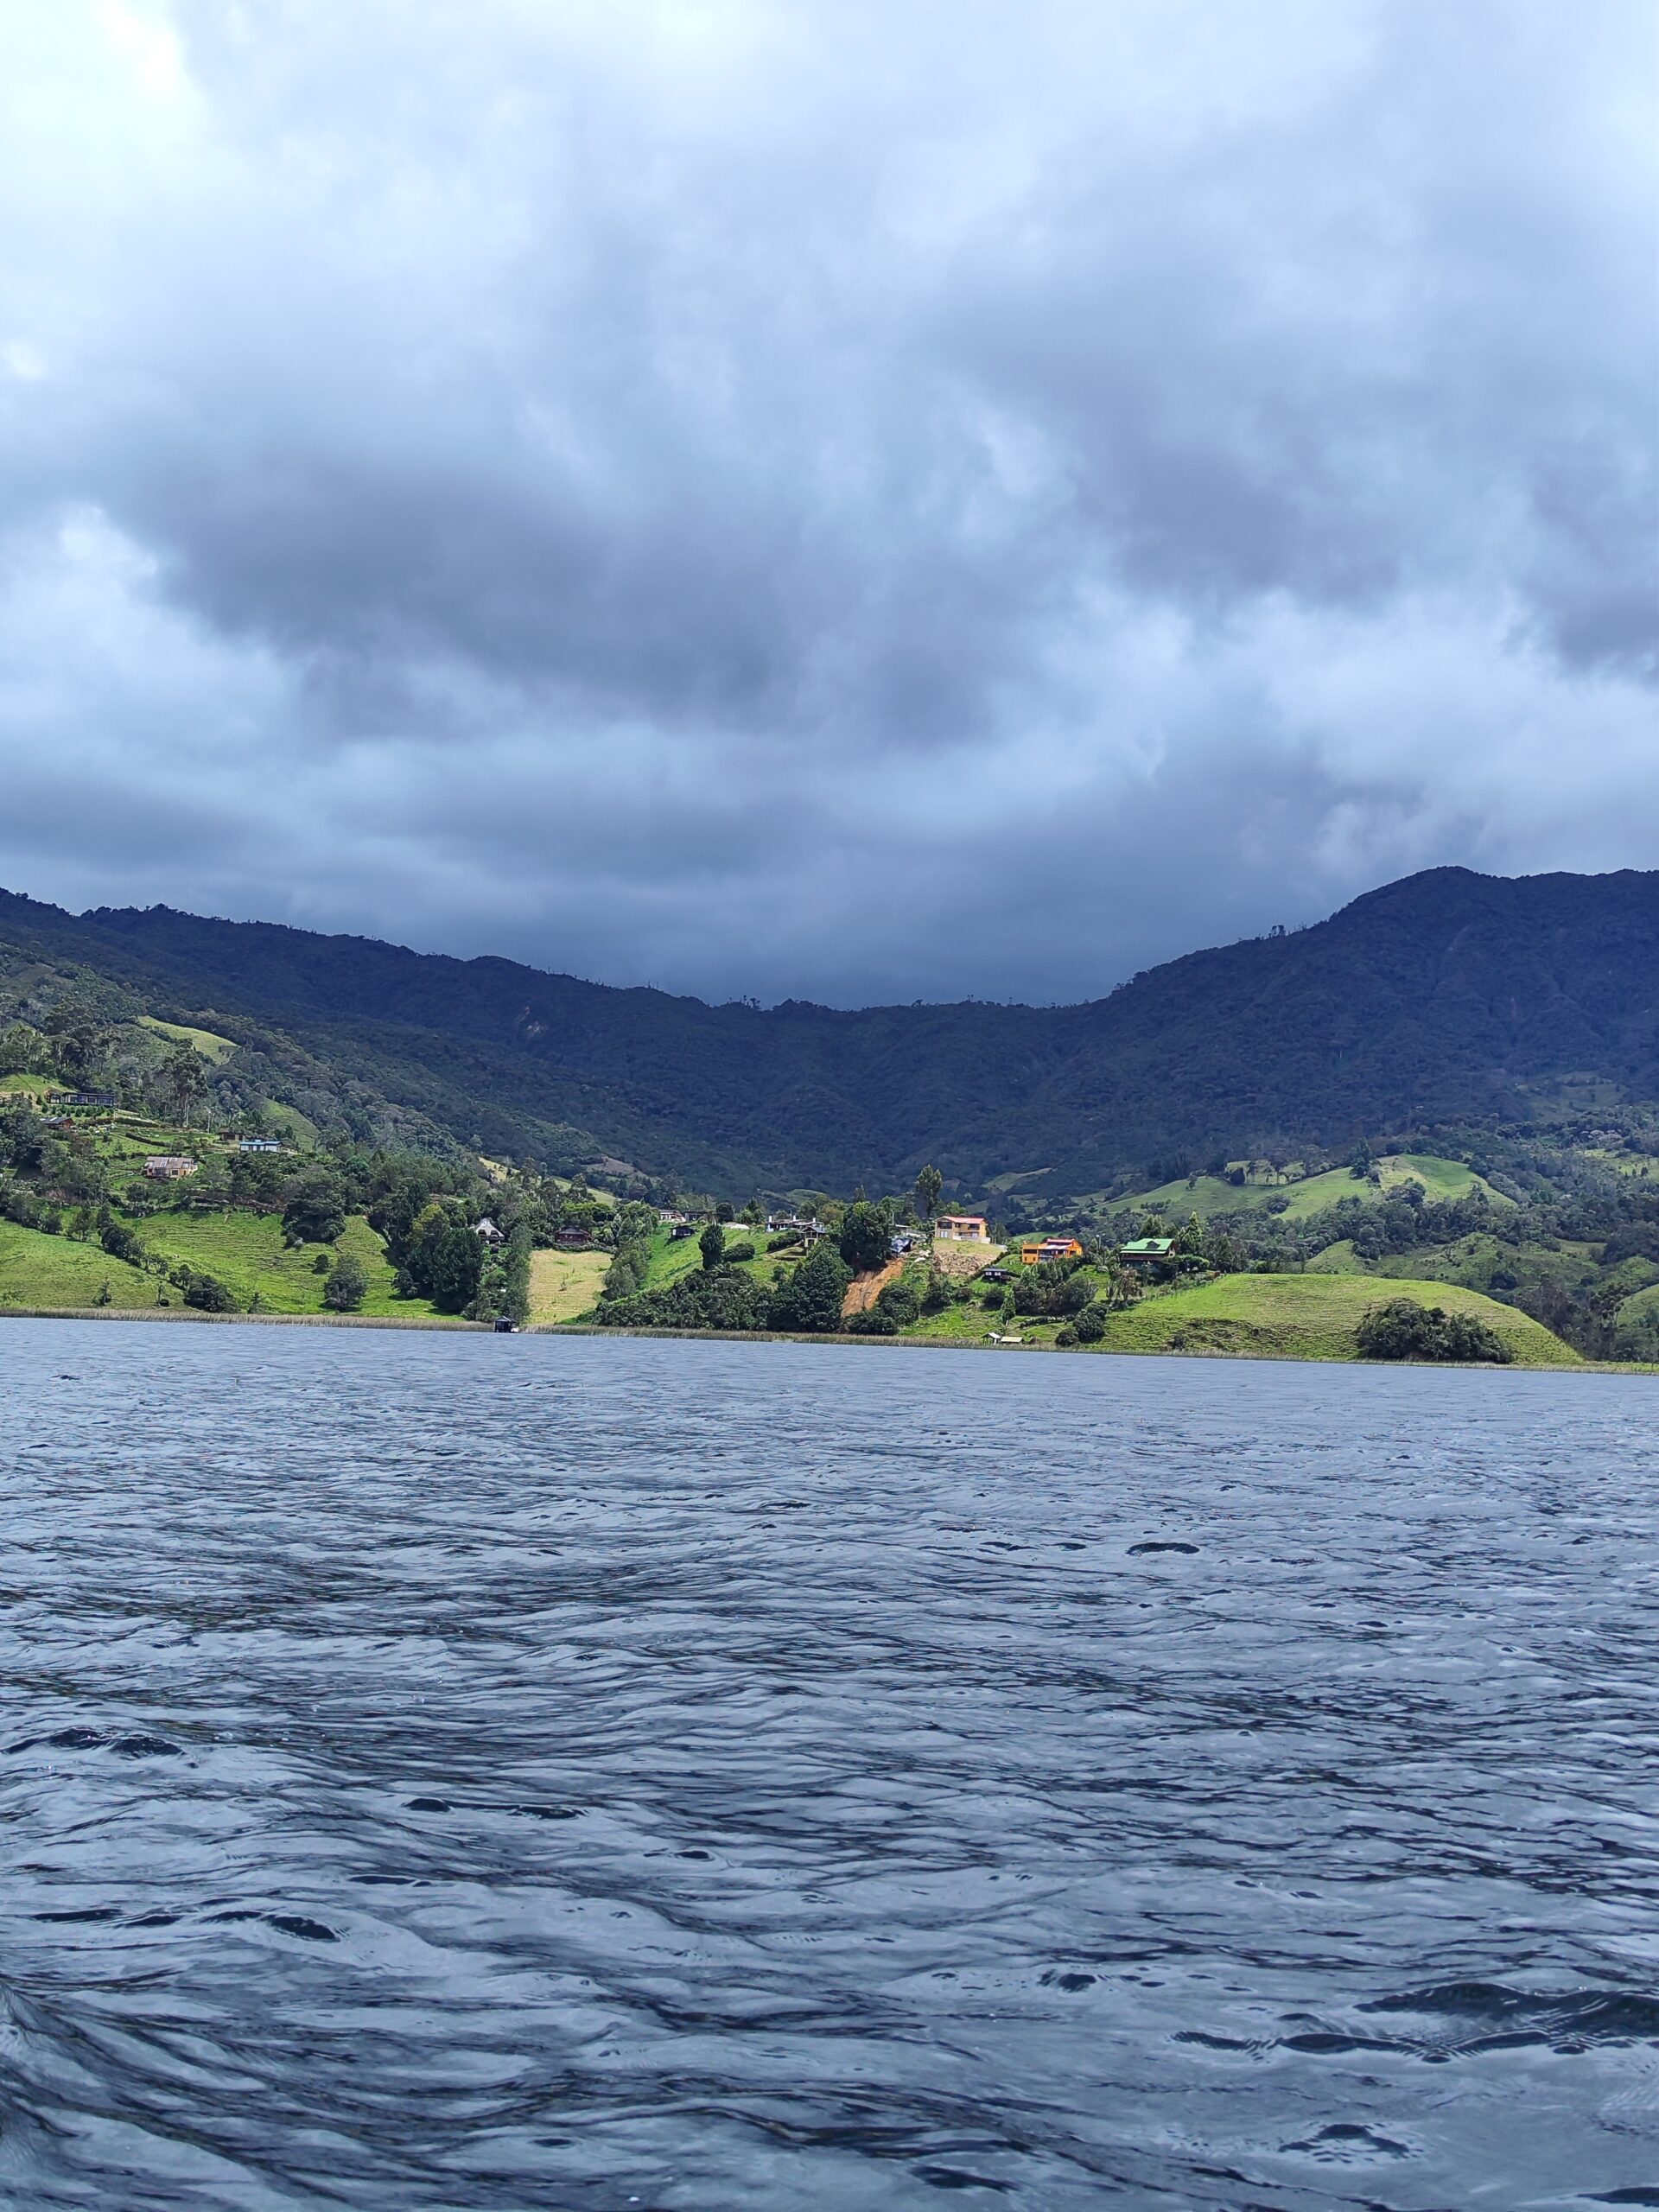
point(835, 501)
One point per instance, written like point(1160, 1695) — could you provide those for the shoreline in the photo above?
point(454, 1323)
point(165, 1314)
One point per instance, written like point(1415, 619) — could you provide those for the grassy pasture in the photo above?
point(40, 1270)
point(245, 1251)
point(564, 1285)
point(1308, 1317)
point(670, 1258)
point(207, 1042)
point(1211, 1195)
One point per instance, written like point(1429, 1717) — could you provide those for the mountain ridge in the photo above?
point(1446, 994)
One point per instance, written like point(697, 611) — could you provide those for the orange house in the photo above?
point(1037, 1249)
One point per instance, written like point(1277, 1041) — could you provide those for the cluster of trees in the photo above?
point(1402, 1329)
point(722, 1295)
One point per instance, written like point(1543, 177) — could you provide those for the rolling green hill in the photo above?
point(1212, 1195)
point(56, 1271)
point(244, 1251)
point(1307, 1317)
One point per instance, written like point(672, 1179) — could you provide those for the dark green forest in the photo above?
point(1448, 997)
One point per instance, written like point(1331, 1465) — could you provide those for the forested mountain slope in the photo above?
point(1446, 995)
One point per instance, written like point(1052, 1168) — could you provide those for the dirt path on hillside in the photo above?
point(863, 1290)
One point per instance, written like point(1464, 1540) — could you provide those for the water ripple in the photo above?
point(506, 1773)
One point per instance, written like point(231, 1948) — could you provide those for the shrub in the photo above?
point(1404, 1330)
point(736, 1252)
point(900, 1302)
point(1089, 1325)
point(344, 1291)
point(206, 1293)
point(712, 1245)
point(119, 1241)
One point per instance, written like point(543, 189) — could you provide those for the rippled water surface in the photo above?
point(478, 1773)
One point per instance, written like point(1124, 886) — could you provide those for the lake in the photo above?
point(516, 1772)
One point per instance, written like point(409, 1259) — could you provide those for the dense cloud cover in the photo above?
point(843, 501)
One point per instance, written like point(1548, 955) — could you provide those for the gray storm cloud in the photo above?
point(848, 502)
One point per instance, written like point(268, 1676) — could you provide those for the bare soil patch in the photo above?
point(863, 1290)
point(958, 1256)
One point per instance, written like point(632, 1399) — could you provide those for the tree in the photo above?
point(345, 1289)
point(712, 1245)
point(809, 1300)
point(632, 1222)
point(928, 1184)
point(866, 1237)
point(453, 1265)
point(183, 1079)
point(22, 1049)
point(315, 1212)
point(515, 1292)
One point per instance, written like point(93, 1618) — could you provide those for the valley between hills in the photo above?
point(1448, 1095)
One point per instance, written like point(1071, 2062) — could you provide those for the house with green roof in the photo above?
point(1147, 1251)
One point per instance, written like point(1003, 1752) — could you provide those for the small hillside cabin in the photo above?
point(168, 1166)
point(1034, 1250)
point(487, 1229)
point(964, 1228)
point(1147, 1251)
point(258, 1144)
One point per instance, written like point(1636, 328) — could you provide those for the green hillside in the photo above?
point(40, 1270)
point(207, 1042)
point(244, 1251)
point(1307, 1317)
point(1212, 1197)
